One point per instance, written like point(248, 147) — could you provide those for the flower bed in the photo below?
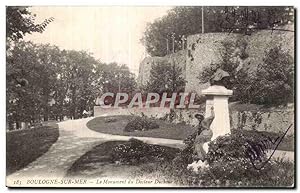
point(230, 165)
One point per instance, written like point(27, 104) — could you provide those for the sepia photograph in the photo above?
point(150, 96)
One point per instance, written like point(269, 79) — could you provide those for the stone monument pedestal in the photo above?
point(217, 96)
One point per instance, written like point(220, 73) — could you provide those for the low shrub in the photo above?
point(135, 152)
point(140, 124)
point(236, 146)
point(233, 174)
point(186, 156)
point(230, 164)
point(110, 120)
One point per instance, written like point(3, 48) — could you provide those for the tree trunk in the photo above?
point(46, 93)
point(46, 114)
point(17, 125)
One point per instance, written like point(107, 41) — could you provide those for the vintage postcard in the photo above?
point(177, 97)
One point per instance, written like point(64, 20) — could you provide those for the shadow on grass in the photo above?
point(25, 146)
point(99, 162)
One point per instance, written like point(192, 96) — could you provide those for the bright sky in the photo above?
point(112, 34)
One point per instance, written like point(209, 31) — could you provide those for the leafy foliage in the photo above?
point(271, 83)
point(115, 78)
point(229, 166)
point(185, 20)
point(230, 174)
point(140, 124)
point(30, 80)
point(274, 81)
point(233, 53)
point(77, 77)
point(235, 147)
point(46, 82)
point(43, 81)
point(136, 152)
point(186, 156)
point(165, 77)
point(20, 21)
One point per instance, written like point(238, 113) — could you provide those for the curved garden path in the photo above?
point(75, 139)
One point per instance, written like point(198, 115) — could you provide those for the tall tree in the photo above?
point(21, 96)
point(31, 78)
point(115, 78)
point(45, 82)
point(274, 81)
point(77, 73)
point(165, 77)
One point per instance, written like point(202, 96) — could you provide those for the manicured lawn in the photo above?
point(25, 146)
point(165, 130)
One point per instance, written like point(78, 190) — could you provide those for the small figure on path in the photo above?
point(85, 114)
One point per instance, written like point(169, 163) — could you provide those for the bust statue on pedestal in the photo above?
point(216, 122)
point(220, 77)
point(217, 96)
